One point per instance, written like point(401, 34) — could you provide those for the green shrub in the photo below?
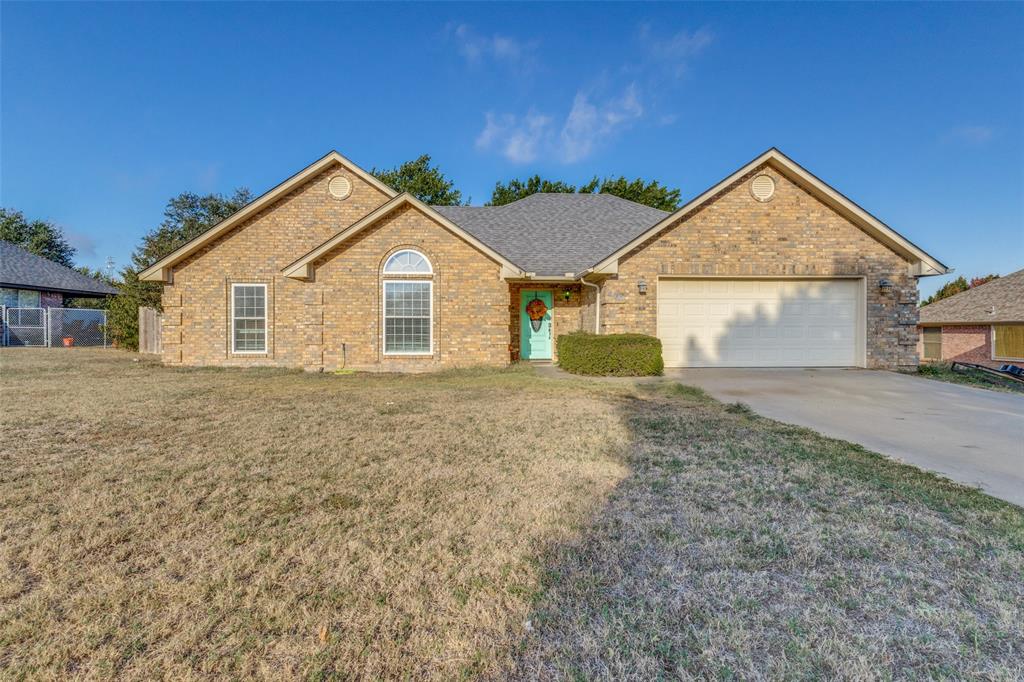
point(619, 355)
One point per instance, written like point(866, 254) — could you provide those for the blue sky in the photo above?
point(914, 111)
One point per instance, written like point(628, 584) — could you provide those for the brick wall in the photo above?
point(475, 312)
point(470, 299)
point(51, 299)
point(793, 234)
point(309, 321)
point(967, 344)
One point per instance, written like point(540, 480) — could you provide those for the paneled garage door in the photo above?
point(760, 323)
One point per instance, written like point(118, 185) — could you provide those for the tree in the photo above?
point(187, 216)
point(978, 281)
point(101, 303)
point(40, 237)
point(650, 193)
point(956, 286)
point(517, 189)
point(418, 178)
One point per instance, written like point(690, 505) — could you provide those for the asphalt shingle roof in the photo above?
point(20, 269)
point(1001, 300)
point(555, 234)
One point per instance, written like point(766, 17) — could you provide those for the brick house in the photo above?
point(983, 325)
point(332, 269)
point(30, 281)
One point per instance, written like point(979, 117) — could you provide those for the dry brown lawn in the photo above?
point(203, 523)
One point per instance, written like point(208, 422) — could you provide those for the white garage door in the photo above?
point(759, 323)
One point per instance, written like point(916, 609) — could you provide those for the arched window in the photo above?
point(407, 262)
point(408, 304)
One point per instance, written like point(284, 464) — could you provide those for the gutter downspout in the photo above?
point(597, 309)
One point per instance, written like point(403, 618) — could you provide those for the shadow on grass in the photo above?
point(741, 547)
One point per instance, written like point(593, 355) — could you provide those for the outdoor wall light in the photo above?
point(885, 286)
point(566, 295)
point(642, 286)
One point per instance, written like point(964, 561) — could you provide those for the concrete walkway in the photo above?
point(971, 435)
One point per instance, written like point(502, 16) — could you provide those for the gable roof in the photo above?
point(20, 269)
point(559, 235)
point(302, 267)
point(160, 270)
point(556, 234)
point(923, 263)
point(1001, 300)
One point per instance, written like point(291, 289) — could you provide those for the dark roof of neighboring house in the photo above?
point(1001, 300)
point(555, 234)
point(20, 269)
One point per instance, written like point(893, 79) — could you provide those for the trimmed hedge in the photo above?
point(617, 355)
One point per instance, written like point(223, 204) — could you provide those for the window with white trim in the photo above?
point(408, 317)
point(248, 318)
point(407, 262)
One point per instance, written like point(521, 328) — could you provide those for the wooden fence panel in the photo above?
point(150, 326)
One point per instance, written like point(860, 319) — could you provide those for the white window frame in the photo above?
point(430, 266)
point(384, 318)
point(266, 325)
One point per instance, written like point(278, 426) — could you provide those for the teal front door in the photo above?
point(535, 325)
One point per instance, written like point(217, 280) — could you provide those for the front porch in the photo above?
point(567, 307)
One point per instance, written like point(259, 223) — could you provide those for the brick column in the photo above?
point(313, 356)
point(171, 326)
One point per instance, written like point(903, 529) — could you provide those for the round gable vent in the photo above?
point(339, 187)
point(762, 187)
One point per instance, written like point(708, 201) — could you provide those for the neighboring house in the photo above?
point(984, 325)
point(331, 269)
point(31, 281)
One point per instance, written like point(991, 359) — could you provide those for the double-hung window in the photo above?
point(408, 305)
point(407, 317)
point(248, 318)
point(932, 343)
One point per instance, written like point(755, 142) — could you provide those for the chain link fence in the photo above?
point(54, 327)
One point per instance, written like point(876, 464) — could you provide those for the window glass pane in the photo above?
point(1009, 341)
point(407, 317)
point(28, 299)
point(250, 318)
point(932, 343)
point(10, 297)
point(406, 262)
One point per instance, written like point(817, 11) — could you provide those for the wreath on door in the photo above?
point(536, 310)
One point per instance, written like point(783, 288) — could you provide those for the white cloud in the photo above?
point(519, 139)
point(675, 52)
point(587, 125)
point(476, 47)
point(594, 116)
point(970, 134)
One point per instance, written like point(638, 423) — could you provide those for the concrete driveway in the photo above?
point(972, 435)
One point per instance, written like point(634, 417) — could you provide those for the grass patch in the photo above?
point(965, 376)
point(743, 548)
point(196, 523)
